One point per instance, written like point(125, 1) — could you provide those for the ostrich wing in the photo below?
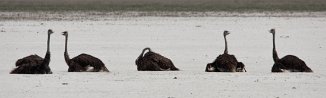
point(163, 62)
point(24, 69)
point(31, 60)
point(86, 59)
point(293, 63)
point(225, 62)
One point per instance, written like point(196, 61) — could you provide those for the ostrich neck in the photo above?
point(139, 59)
point(226, 46)
point(66, 42)
point(47, 58)
point(275, 56)
point(66, 51)
point(48, 44)
point(142, 53)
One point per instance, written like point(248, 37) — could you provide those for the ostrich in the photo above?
point(225, 62)
point(34, 64)
point(152, 61)
point(83, 62)
point(289, 63)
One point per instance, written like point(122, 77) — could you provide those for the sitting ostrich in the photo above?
point(83, 62)
point(152, 61)
point(34, 64)
point(289, 63)
point(225, 62)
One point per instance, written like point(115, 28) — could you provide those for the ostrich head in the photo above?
point(65, 33)
point(50, 31)
point(272, 31)
point(226, 33)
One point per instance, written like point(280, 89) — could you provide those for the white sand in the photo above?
point(191, 43)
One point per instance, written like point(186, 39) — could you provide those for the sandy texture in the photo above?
point(191, 43)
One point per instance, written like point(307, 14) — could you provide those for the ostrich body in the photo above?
point(289, 63)
point(34, 64)
point(152, 61)
point(32, 60)
point(225, 62)
point(83, 62)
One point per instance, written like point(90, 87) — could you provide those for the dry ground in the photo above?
point(187, 31)
point(191, 42)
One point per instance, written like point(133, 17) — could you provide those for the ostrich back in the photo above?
point(154, 62)
point(85, 60)
point(33, 64)
point(226, 63)
point(291, 62)
point(161, 61)
point(31, 60)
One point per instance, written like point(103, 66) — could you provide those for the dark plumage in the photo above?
point(289, 62)
point(225, 62)
point(31, 60)
point(152, 61)
point(83, 62)
point(34, 64)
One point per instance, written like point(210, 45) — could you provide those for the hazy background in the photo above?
point(163, 5)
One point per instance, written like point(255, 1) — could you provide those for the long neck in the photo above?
point(47, 55)
point(47, 58)
point(48, 44)
point(142, 53)
point(139, 59)
point(275, 56)
point(66, 42)
point(226, 46)
point(67, 59)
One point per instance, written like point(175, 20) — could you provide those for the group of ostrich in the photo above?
point(151, 61)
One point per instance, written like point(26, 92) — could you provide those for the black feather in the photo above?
point(29, 60)
point(152, 61)
point(82, 62)
point(290, 62)
point(34, 64)
point(225, 62)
